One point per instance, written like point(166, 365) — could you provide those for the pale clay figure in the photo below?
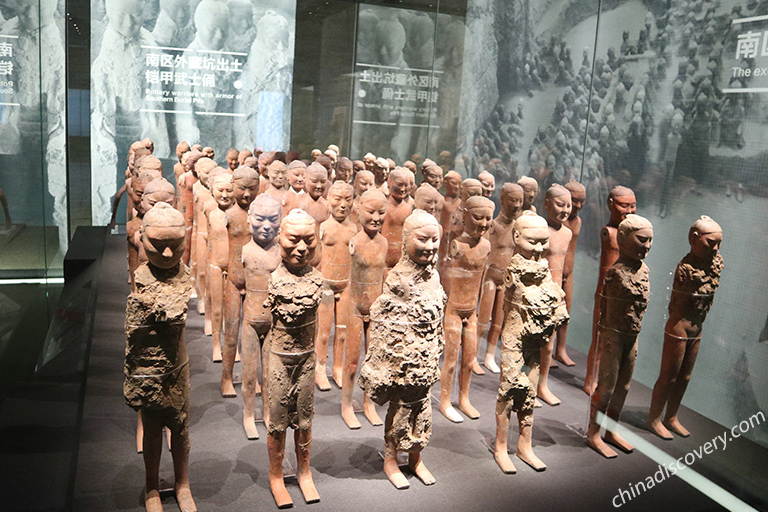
point(470, 187)
point(277, 173)
point(488, 182)
point(406, 339)
point(399, 207)
point(427, 198)
point(452, 201)
point(200, 194)
point(312, 201)
point(531, 188)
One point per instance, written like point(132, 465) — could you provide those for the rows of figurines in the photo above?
point(281, 256)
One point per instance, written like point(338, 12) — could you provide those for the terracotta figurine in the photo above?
point(469, 187)
point(399, 207)
point(427, 198)
point(531, 188)
point(488, 182)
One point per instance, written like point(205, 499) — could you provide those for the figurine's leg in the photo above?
point(543, 391)
point(153, 449)
point(671, 362)
point(524, 441)
point(251, 350)
point(562, 333)
point(193, 267)
point(453, 326)
point(139, 433)
point(497, 318)
point(276, 451)
point(232, 303)
point(679, 387)
point(201, 268)
point(484, 312)
point(391, 469)
point(187, 246)
point(609, 370)
point(265, 369)
point(324, 324)
point(340, 336)
point(369, 408)
point(468, 356)
point(215, 306)
point(180, 455)
point(593, 356)
point(351, 360)
point(303, 439)
point(208, 324)
point(626, 369)
point(500, 447)
point(419, 469)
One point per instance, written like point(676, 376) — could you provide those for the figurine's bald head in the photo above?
point(421, 238)
point(705, 237)
point(364, 180)
point(488, 182)
point(429, 200)
point(156, 191)
point(511, 198)
point(149, 162)
point(578, 197)
point(621, 202)
point(400, 181)
point(264, 216)
point(634, 236)
point(298, 239)
point(470, 187)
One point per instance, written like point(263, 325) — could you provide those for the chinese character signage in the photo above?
point(745, 66)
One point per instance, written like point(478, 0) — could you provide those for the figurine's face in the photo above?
point(232, 161)
point(512, 204)
point(264, 224)
point(246, 190)
point(344, 173)
point(637, 244)
point(707, 245)
point(433, 176)
point(277, 176)
point(340, 203)
point(213, 32)
point(202, 174)
point(452, 186)
point(150, 200)
point(422, 244)
point(531, 242)
point(379, 171)
point(223, 192)
point(400, 186)
point(315, 185)
point(363, 183)
point(489, 183)
point(164, 245)
point(622, 206)
point(430, 204)
point(298, 241)
point(558, 208)
point(372, 213)
point(296, 178)
point(137, 193)
point(578, 199)
point(471, 191)
point(530, 190)
point(477, 221)
point(125, 17)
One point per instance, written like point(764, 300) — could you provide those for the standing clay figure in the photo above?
point(621, 202)
point(368, 251)
point(500, 234)
point(296, 174)
point(488, 182)
point(452, 201)
point(335, 234)
point(344, 170)
point(187, 183)
point(557, 205)
point(223, 191)
point(260, 258)
point(313, 201)
point(201, 195)
point(363, 181)
point(623, 303)
point(277, 173)
point(156, 363)
point(381, 171)
point(295, 288)
point(133, 226)
point(534, 307)
point(531, 188)
point(182, 148)
point(469, 188)
point(231, 157)
point(246, 186)
point(406, 339)
point(427, 198)
point(696, 280)
point(399, 207)
point(433, 174)
point(578, 197)
point(468, 253)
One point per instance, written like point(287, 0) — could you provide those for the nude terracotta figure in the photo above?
point(557, 206)
point(344, 170)
point(335, 234)
point(578, 198)
point(491, 306)
point(156, 363)
point(624, 300)
point(369, 159)
point(261, 256)
point(381, 170)
point(263, 161)
point(452, 197)
point(621, 202)
point(362, 182)
point(242, 156)
point(277, 174)
point(399, 207)
point(223, 191)
point(433, 174)
point(534, 307)
point(246, 186)
point(201, 195)
point(296, 174)
point(133, 226)
point(696, 280)
point(488, 182)
point(531, 188)
point(182, 148)
point(429, 200)
point(469, 253)
point(368, 250)
point(232, 156)
point(187, 204)
point(470, 187)
point(406, 339)
point(312, 201)
point(295, 288)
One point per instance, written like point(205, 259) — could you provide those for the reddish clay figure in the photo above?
point(381, 170)
point(261, 256)
point(297, 171)
point(578, 198)
point(201, 195)
point(223, 191)
point(624, 299)
point(344, 170)
point(242, 156)
point(452, 201)
point(429, 200)
point(232, 156)
point(433, 174)
point(363, 181)
point(531, 188)
point(312, 201)
point(697, 278)
point(335, 234)
point(368, 250)
point(187, 206)
point(264, 159)
point(277, 174)
point(133, 226)
point(488, 182)
point(179, 168)
point(557, 205)
point(399, 207)
point(469, 188)
point(621, 202)
point(469, 253)
point(491, 307)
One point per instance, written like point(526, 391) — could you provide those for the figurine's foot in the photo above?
point(619, 442)
point(537, 404)
point(152, 501)
point(321, 380)
point(207, 327)
point(370, 414)
point(659, 429)
point(532, 460)
point(553, 363)
point(308, 489)
point(421, 472)
point(237, 355)
point(490, 363)
point(280, 493)
point(336, 376)
point(452, 414)
point(589, 387)
point(504, 462)
point(600, 447)
point(194, 293)
point(348, 415)
point(675, 426)
point(548, 397)
point(477, 369)
point(249, 425)
point(167, 437)
point(200, 306)
point(184, 499)
point(469, 410)
point(563, 358)
point(140, 440)
point(227, 388)
point(395, 475)
point(216, 354)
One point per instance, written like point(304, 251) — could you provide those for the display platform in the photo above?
point(228, 472)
